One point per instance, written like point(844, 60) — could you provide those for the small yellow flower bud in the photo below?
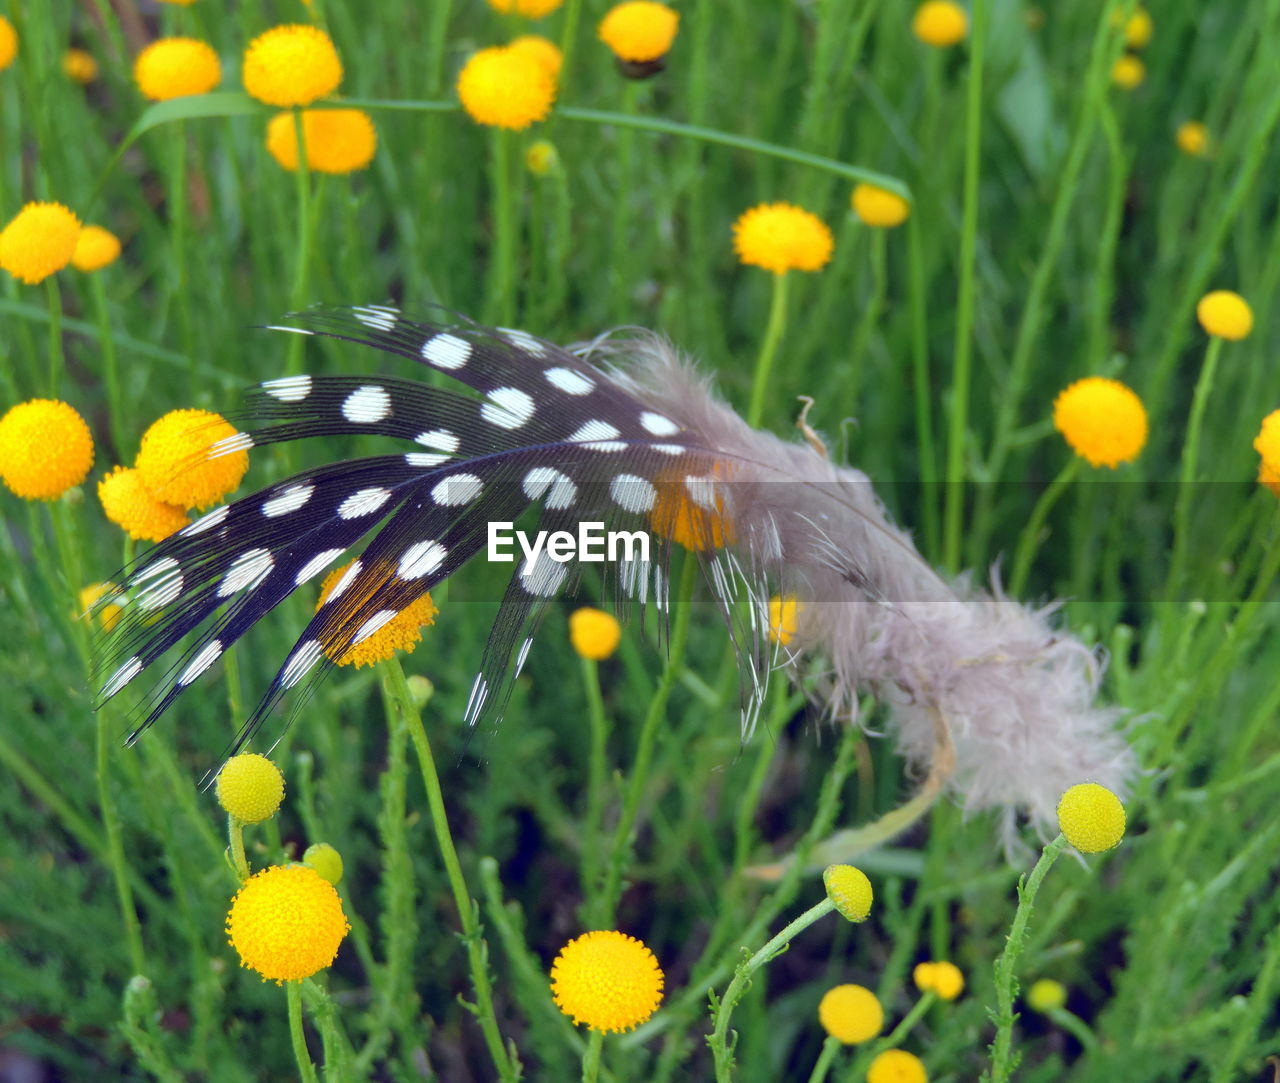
point(1091, 817)
point(850, 890)
point(325, 860)
point(250, 787)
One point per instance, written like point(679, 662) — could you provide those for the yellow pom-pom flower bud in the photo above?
point(530, 9)
point(129, 504)
point(781, 237)
point(95, 248)
point(505, 88)
point(192, 458)
point(878, 207)
point(325, 860)
point(1102, 420)
point(784, 619)
point(39, 240)
point(850, 890)
point(1091, 817)
point(1192, 138)
point(640, 31)
point(897, 1066)
point(943, 978)
point(286, 922)
point(1225, 314)
point(594, 633)
point(338, 140)
point(80, 66)
point(8, 43)
point(851, 1013)
point(45, 449)
point(542, 159)
point(940, 23)
point(1046, 995)
point(606, 980)
point(250, 787)
point(291, 65)
point(1128, 72)
point(176, 68)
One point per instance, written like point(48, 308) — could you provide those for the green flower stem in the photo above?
point(958, 420)
point(302, 248)
point(623, 840)
point(110, 364)
point(568, 42)
point(620, 233)
point(930, 507)
point(769, 349)
point(337, 1046)
point(178, 216)
point(1029, 540)
point(593, 849)
point(306, 1070)
point(868, 320)
point(235, 836)
point(437, 41)
point(858, 1070)
point(1003, 1059)
point(468, 913)
point(1187, 475)
point(1076, 1027)
point(56, 362)
point(721, 1048)
point(830, 1050)
point(500, 304)
point(591, 1058)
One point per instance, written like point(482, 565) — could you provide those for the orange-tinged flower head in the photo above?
point(1103, 421)
point(940, 23)
point(545, 52)
point(8, 43)
point(38, 241)
point(295, 64)
point(506, 88)
point(606, 980)
point(851, 1013)
point(80, 66)
point(530, 9)
point(96, 247)
point(129, 504)
point(781, 237)
point(878, 207)
point(176, 68)
point(694, 511)
point(384, 633)
point(192, 458)
point(338, 140)
point(286, 922)
point(45, 449)
point(639, 31)
point(594, 633)
point(108, 614)
point(784, 619)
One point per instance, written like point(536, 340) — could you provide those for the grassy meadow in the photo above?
point(1060, 227)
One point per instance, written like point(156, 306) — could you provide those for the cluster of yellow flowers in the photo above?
point(1129, 72)
point(43, 238)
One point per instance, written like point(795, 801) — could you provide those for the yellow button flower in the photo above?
point(606, 980)
point(45, 449)
point(325, 860)
point(945, 979)
point(940, 23)
point(79, 65)
point(109, 614)
point(1267, 444)
point(851, 1013)
point(530, 9)
point(594, 633)
point(1225, 314)
point(505, 88)
point(850, 890)
point(250, 787)
point(1128, 72)
point(639, 31)
point(1091, 817)
point(192, 458)
point(697, 524)
point(338, 140)
point(784, 619)
point(781, 237)
point(1047, 995)
point(1103, 421)
point(39, 240)
point(176, 68)
point(541, 159)
point(538, 48)
point(95, 248)
point(295, 64)
point(286, 922)
point(8, 43)
point(1138, 28)
point(129, 504)
point(879, 207)
point(400, 632)
point(897, 1066)
point(1192, 138)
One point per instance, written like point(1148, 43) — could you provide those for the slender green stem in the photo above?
point(1003, 1060)
point(1029, 541)
point(591, 1058)
point(868, 320)
point(1076, 1027)
point(1187, 475)
point(594, 844)
point(769, 349)
point(568, 42)
point(235, 836)
point(500, 304)
point(302, 248)
point(721, 1048)
point(625, 184)
point(468, 912)
point(958, 421)
point(830, 1050)
point(893, 1039)
point(56, 362)
point(110, 363)
point(306, 1070)
point(929, 504)
point(178, 210)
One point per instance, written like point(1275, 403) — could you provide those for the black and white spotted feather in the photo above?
point(614, 432)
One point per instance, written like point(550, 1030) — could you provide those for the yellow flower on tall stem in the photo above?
point(176, 68)
point(337, 140)
point(45, 449)
point(286, 922)
point(940, 23)
point(640, 33)
point(96, 248)
point(39, 241)
point(530, 9)
point(878, 207)
point(506, 87)
point(8, 43)
point(295, 64)
point(1192, 138)
point(80, 66)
